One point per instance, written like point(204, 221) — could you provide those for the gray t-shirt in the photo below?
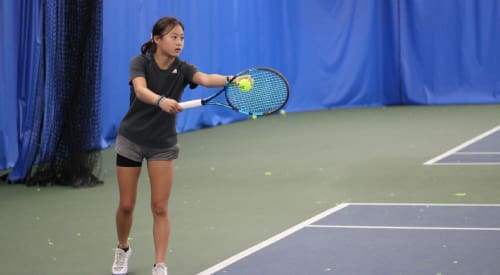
point(146, 124)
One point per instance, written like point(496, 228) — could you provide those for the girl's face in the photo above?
point(172, 43)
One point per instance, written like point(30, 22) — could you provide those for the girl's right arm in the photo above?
point(147, 96)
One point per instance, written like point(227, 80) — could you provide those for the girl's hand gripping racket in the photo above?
point(255, 92)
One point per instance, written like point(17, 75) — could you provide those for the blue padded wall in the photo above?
point(335, 54)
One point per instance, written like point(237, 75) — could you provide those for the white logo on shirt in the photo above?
point(174, 71)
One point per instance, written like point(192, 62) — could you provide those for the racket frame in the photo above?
point(207, 100)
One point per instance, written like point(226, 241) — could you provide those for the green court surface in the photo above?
point(236, 185)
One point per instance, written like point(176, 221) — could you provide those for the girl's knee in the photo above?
point(159, 209)
point(126, 208)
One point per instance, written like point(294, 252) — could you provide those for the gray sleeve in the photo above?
point(189, 71)
point(137, 67)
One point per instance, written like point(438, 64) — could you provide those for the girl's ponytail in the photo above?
point(148, 47)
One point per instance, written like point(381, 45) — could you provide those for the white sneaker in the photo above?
point(120, 265)
point(160, 269)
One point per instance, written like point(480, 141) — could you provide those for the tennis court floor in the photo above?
point(385, 239)
point(480, 150)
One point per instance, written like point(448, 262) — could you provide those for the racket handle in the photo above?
point(191, 104)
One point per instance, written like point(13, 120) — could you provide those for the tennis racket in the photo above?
point(267, 92)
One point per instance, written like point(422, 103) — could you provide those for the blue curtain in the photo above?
point(335, 54)
point(8, 84)
point(58, 97)
point(450, 51)
point(22, 74)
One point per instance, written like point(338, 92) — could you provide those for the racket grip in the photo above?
point(191, 104)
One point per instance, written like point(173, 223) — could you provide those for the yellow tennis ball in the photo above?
point(245, 85)
point(283, 112)
point(254, 117)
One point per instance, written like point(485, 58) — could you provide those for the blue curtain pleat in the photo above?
point(29, 79)
point(450, 51)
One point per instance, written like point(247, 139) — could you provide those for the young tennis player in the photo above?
point(157, 80)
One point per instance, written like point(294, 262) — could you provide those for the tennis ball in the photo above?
point(254, 117)
point(283, 112)
point(245, 85)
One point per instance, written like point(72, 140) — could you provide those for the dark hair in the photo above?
point(163, 26)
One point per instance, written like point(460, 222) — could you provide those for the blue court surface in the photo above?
point(481, 150)
point(434, 239)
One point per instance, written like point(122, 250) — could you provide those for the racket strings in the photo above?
point(268, 94)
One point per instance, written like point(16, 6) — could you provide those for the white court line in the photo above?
point(463, 145)
point(424, 204)
point(309, 222)
point(477, 153)
point(271, 240)
point(406, 227)
point(473, 163)
point(465, 163)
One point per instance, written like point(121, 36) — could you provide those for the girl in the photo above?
point(157, 80)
